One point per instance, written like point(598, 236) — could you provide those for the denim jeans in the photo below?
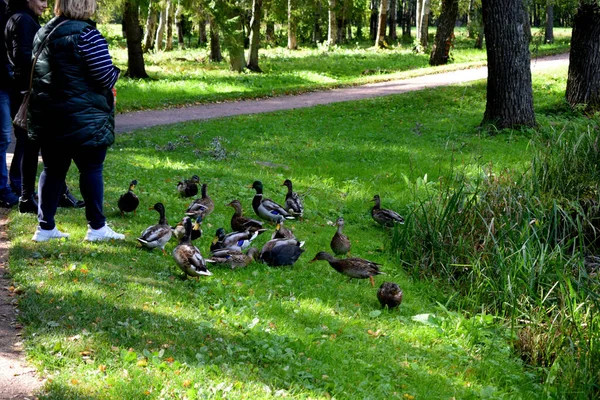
point(5, 138)
point(90, 162)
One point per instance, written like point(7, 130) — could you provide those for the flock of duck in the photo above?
point(234, 249)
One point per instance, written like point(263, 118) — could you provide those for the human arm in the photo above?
point(94, 51)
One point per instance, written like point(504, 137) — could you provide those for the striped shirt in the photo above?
point(94, 50)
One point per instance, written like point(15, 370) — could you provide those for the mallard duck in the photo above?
point(234, 258)
point(293, 202)
point(282, 232)
point(202, 206)
point(157, 235)
point(277, 252)
point(267, 208)
point(239, 223)
point(340, 244)
point(233, 240)
point(389, 294)
point(128, 201)
point(353, 267)
point(179, 229)
point(384, 216)
point(187, 256)
point(189, 187)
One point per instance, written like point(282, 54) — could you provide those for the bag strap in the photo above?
point(37, 54)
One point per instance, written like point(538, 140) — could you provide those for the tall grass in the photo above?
point(523, 246)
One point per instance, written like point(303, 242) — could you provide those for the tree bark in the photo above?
point(549, 31)
point(135, 56)
point(393, 21)
point(151, 25)
point(406, 19)
point(382, 23)
point(252, 63)
point(418, 19)
point(332, 24)
point(509, 92)
point(583, 82)
point(424, 26)
point(317, 36)
point(292, 42)
point(169, 12)
point(160, 32)
point(215, 45)
point(374, 19)
point(444, 36)
point(179, 23)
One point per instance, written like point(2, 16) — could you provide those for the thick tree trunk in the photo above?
point(151, 25)
point(317, 36)
point(583, 82)
point(393, 21)
point(549, 31)
point(215, 45)
point(380, 38)
point(418, 19)
point(169, 12)
point(160, 32)
point(424, 26)
point(252, 63)
point(332, 24)
point(509, 92)
point(202, 22)
point(234, 42)
point(406, 20)
point(179, 23)
point(444, 36)
point(292, 42)
point(135, 56)
point(374, 19)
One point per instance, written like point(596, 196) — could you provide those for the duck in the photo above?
point(240, 223)
point(233, 240)
point(354, 267)
point(179, 229)
point(189, 187)
point(234, 258)
point(278, 252)
point(157, 235)
point(389, 294)
point(128, 201)
point(187, 256)
point(267, 208)
point(202, 206)
point(383, 216)
point(340, 244)
point(282, 232)
point(293, 203)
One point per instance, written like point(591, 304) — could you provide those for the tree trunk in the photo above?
point(332, 24)
point(406, 20)
point(393, 22)
point(382, 23)
point(160, 32)
point(292, 42)
point(215, 45)
point(252, 63)
point(549, 31)
point(374, 19)
point(583, 82)
point(444, 36)
point(179, 23)
point(234, 43)
point(509, 92)
point(317, 35)
point(135, 56)
point(151, 25)
point(418, 19)
point(202, 22)
point(169, 44)
point(424, 38)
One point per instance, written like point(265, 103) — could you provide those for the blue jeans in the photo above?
point(5, 138)
point(90, 162)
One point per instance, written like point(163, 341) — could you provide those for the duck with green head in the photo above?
point(157, 235)
point(202, 206)
point(267, 208)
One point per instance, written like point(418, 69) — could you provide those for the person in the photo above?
point(7, 198)
point(21, 27)
point(71, 114)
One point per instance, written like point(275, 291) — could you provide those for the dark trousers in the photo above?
point(23, 169)
point(90, 162)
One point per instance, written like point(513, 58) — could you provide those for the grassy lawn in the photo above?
point(115, 321)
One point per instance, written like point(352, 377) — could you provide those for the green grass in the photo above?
point(187, 76)
point(115, 321)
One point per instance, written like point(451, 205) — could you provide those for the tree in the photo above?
point(583, 82)
point(151, 25)
point(509, 92)
point(169, 44)
point(133, 32)
point(162, 25)
point(292, 41)
point(252, 63)
point(332, 24)
point(444, 36)
point(180, 19)
point(549, 31)
point(380, 38)
point(215, 45)
point(422, 16)
point(393, 22)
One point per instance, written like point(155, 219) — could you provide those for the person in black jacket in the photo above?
point(19, 32)
point(7, 197)
point(71, 113)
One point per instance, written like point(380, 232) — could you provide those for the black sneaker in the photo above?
point(67, 200)
point(28, 205)
point(8, 200)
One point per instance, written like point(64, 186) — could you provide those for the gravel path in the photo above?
point(17, 380)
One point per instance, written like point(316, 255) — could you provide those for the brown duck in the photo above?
point(239, 223)
point(389, 294)
point(384, 216)
point(340, 244)
point(202, 206)
point(353, 267)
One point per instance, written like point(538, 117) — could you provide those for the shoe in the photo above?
point(104, 233)
point(43, 235)
point(28, 205)
point(67, 200)
point(9, 200)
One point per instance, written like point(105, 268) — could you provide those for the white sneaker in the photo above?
point(43, 235)
point(104, 233)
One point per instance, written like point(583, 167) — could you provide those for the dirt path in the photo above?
point(17, 380)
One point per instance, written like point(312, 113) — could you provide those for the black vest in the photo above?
point(66, 107)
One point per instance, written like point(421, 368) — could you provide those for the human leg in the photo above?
point(7, 197)
point(51, 184)
point(29, 167)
